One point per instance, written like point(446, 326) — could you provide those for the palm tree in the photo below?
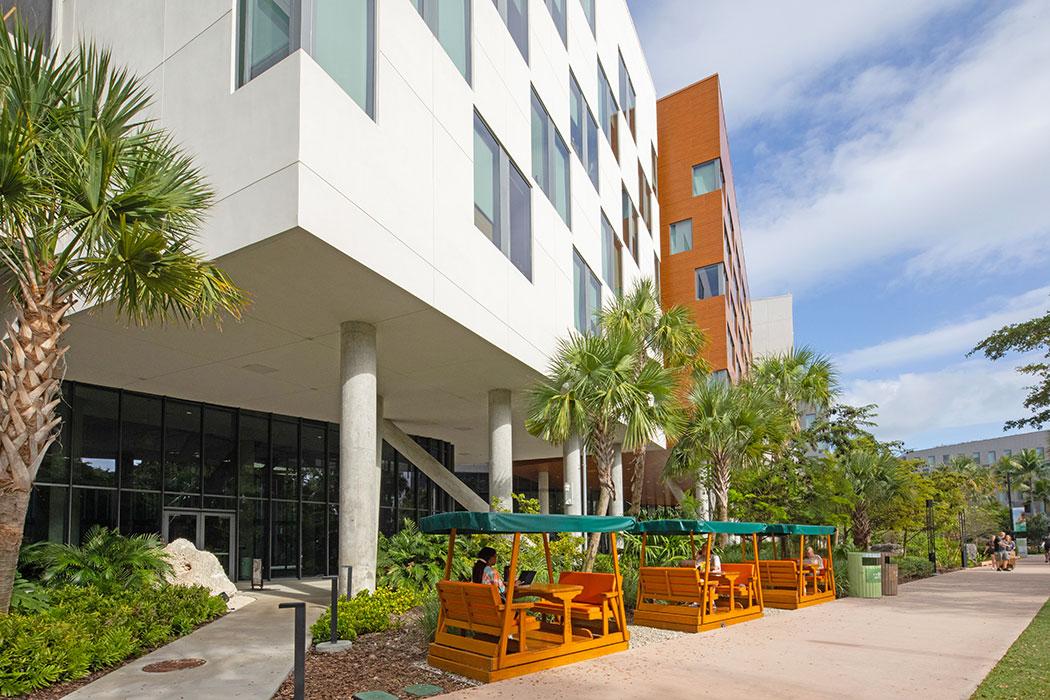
point(593, 388)
point(799, 377)
point(670, 335)
point(728, 427)
point(97, 205)
point(873, 478)
point(1028, 467)
point(1011, 472)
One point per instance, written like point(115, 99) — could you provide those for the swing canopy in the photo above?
point(786, 529)
point(686, 527)
point(466, 522)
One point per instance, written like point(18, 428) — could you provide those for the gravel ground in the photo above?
point(644, 636)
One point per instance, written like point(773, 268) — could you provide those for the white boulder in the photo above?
point(194, 567)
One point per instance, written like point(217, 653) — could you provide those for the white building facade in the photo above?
point(421, 197)
point(772, 326)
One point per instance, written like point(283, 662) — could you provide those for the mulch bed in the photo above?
point(389, 661)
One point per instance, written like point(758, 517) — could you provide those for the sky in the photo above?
point(892, 169)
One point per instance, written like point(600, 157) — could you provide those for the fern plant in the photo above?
point(107, 561)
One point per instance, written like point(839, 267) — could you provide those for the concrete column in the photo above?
point(571, 467)
point(358, 472)
point(616, 505)
point(501, 454)
point(544, 492)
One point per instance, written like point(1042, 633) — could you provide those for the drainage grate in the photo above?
point(172, 665)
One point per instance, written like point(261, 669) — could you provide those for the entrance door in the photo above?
point(208, 531)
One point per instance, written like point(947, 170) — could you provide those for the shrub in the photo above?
point(28, 596)
point(87, 629)
point(428, 621)
point(414, 560)
point(366, 612)
point(107, 561)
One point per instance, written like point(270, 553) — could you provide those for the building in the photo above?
point(420, 197)
point(702, 265)
point(988, 452)
point(772, 326)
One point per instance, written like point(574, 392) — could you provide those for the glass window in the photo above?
point(253, 534)
point(656, 272)
point(314, 539)
point(587, 293)
point(285, 479)
point(630, 223)
point(976, 456)
point(654, 171)
point(607, 111)
point(333, 464)
point(991, 457)
point(343, 34)
point(312, 463)
point(1008, 453)
point(254, 433)
point(333, 541)
point(220, 452)
point(583, 130)
point(588, 10)
point(285, 524)
point(140, 451)
point(707, 177)
point(945, 459)
point(681, 236)
point(55, 467)
point(92, 507)
point(48, 514)
point(1039, 452)
point(711, 281)
point(612, 257)
point(557, 8)
point(140, 513)
point(550, 159)
point(721, 375)
point(515, 14)
point(182, 446)
point(502, 199)
point(388, 478)
point(645, 196)
point(627, 95)
point(95, 436)
point(450, 21)
point(269, 31)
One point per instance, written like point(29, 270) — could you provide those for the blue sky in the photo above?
point(892, 165)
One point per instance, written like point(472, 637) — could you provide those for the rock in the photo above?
point(891, 548)
point(193, 567)
point(239, 601)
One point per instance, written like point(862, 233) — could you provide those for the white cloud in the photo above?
point(973, 393)
point(954, 339)
point(955, 177)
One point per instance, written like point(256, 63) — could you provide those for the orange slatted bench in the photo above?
point(594, 603)
point(477, 608)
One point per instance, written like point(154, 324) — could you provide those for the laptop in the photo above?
point(525, 578)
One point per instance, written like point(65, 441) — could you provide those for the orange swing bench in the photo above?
point(789, 583)
point(489, 637)
point(687, 599)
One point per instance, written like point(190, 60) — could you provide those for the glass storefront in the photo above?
point(239, 483)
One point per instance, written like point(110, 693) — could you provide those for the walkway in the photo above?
point(248, 653)
point(937, 639)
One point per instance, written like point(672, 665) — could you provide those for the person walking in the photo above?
point(1046, 548)
point(997, 551)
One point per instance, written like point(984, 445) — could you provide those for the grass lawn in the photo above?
point(1025, 670)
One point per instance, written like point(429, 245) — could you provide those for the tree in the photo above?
point(593, 388)
point(669, 335)
point(97, 206)
point(1029, 336)
point(728, 427)
point(1027, 468)
point(873, 479)
point(799, 377)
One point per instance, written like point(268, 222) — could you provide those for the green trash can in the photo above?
point(864, 572)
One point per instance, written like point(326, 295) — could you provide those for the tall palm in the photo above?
point(728, 427)
point(594, 388)
point(670, 335)
point(800, 377)
point(1028, 466)
point(1011, 474)
point(872, 478)
point(97, 205)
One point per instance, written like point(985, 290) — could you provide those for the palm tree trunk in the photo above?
point(720, 484)
point(603, 453)
point(637, 481)
point(30, 379)
point(861, 526)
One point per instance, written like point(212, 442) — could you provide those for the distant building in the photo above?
point(772, 326)
point(988, 452)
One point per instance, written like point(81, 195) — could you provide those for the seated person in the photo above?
point(485, 570)
point(813, 558)
point(716, 565)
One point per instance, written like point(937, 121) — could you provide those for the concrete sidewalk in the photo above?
point(937, 639)
point(248, 653)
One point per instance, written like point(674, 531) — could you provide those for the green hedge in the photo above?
point(85, 630)
point(366, 612)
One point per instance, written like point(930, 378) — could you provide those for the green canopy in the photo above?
point(684, 527)
point(506, 523)
point(784, 529)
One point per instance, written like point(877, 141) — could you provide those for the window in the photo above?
point(612, 257)
point(976, 457)
point(502, 199)
point(655, 178)
point(515, 14)
point(607, 111)
point(721, 375)
point(558, 14)
point(930, 460)
point(583, 130)
point(627, 96)
point(991, 457)
point(588, 10)
point(450, 22)
point(711, 281)
point(707, 177)
point(1008, 453)
point(338, 34)
point(681, 236)
point(645, 196)
point(1039, 452)
point(630, 223)
point(656, 272)
point(587, 294)
point(550, 159)
point(945, 459)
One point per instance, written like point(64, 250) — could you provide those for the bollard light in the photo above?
point(300, 647)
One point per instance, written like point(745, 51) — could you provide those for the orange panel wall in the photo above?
point(691, 131)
